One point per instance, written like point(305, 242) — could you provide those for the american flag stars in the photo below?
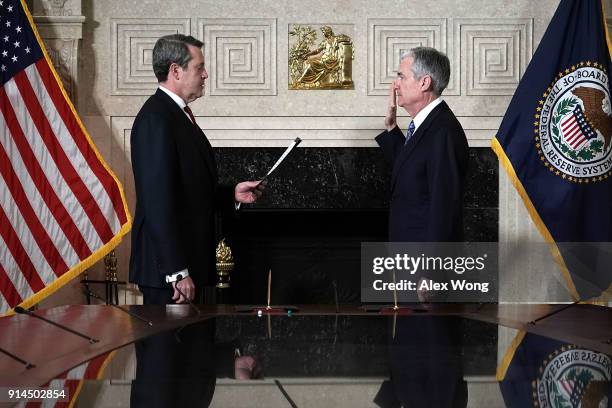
point(13, 32)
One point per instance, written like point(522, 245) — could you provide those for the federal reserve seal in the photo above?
point(573, 124)
point(572, 377)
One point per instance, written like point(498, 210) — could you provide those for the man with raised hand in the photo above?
point(427, 186)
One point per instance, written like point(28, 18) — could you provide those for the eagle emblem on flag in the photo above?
point(573, 124)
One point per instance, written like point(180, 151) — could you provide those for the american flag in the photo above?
point(61, 208)
point(576, 130)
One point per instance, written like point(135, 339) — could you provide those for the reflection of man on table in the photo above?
point(173, 238)
point(427, 185)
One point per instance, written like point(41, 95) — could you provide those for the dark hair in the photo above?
point(171, 49)
point(429, 61)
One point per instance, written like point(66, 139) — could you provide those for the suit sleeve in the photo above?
point(224, 198)
point(445, 181)
point(156, 174)
point(391, 143)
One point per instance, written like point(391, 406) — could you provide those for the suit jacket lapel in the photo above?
point(202, 142)
point(414, 141)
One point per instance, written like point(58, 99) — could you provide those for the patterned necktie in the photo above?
point(190, 113)
point(410, 132)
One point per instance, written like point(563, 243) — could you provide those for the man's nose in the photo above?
point(204, 74)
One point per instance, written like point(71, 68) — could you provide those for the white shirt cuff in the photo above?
point(175, 276)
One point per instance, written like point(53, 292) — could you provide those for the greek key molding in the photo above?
point(240, 55)
point(389, 38)
point(132, 42)
point(494, 54)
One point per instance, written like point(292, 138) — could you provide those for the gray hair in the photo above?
point(429, 61)
point(172, 49)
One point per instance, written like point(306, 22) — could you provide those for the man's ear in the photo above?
point(174, 71)
point(426, 83)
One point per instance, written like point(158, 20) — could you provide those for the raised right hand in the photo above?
point(390, 118)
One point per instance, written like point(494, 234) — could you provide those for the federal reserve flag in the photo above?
point(555, 144)
point(61, 208)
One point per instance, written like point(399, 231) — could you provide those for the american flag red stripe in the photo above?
point(28, 173)
point(62, 161)
point(8, 292)
point(33, 223)
point(23, 263)
point(572, 133)
point(67, 116)
point(32, 179)
point(61, 208)
point(47, 179)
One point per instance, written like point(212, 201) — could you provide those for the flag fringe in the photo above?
point(505, 363)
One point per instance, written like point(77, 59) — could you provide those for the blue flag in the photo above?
point(545, 373)
point(555, 142)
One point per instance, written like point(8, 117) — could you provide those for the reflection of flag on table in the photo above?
point(545, 373)
point(576, 130)
point(72, 381)
point(61, 208)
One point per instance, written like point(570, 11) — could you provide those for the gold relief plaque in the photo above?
point(320, 65)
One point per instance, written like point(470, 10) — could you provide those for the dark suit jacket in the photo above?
point(427, 182)
point(175, 176)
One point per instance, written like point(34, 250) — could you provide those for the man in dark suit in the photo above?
point(427, 185)
point(173, 237)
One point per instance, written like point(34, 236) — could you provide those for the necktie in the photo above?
point(410, 132)
point(190, 113)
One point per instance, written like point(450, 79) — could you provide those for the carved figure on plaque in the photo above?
point(56, 8)
point(327, 66)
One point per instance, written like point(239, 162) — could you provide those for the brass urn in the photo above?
point(225, 265)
